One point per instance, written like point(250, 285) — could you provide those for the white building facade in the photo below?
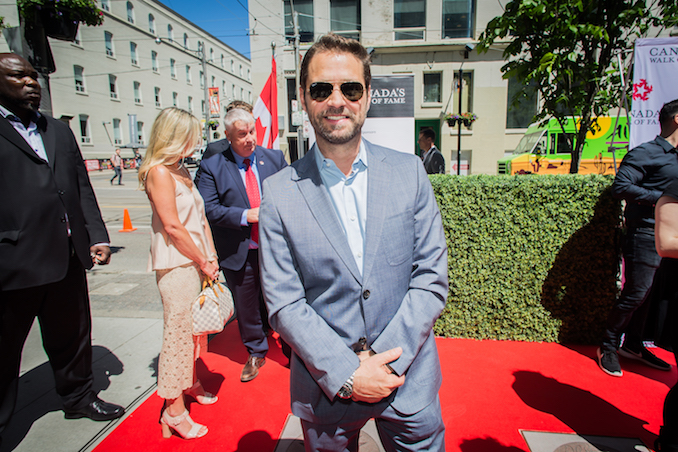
point(424, 38)
point(111, 83)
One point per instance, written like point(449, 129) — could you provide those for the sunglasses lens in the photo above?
point(352, 90)
point(320, 91)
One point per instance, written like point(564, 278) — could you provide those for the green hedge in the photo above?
point(532, 258)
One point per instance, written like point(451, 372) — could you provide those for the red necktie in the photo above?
point(252, 189)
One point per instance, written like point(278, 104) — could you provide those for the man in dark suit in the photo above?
point(230, 183)
point(434, 163)
point(51, 230)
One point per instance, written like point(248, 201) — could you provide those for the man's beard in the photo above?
point(341, 135)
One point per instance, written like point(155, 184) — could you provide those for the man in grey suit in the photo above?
point(354, 270)
point(434, 163)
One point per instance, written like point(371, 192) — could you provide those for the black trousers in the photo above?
point(63, 310)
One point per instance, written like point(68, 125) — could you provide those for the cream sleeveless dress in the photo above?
point(179, 282)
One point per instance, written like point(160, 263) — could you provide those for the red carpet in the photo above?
point(491, 391)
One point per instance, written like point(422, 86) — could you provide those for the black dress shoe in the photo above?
point(98, 410)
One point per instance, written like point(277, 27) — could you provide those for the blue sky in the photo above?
point(224, 19)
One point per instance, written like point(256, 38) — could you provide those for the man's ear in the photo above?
point(302, 98)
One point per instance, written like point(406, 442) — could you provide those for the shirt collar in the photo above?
point(12, 117)
point(359, 162)
point(240, 160)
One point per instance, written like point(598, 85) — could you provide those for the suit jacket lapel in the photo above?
point(234, 172)
point(377, 191)
point(319, 202)
point(8, 131)
point(48, 140)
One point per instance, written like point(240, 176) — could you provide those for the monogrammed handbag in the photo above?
point(212, 308)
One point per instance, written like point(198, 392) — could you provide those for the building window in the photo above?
point(175, 99)
point(79, 79)
point(173, 68)
point(108, 39)
point(202, 80)
point(242, 94)
point(233, 92)
point(188, 74)
point(158, 102)
point(466, 93)
point(249, 75)
point(137, 93)
point(432, 87)
point(305, 10)
point(214, 82)
point(186, 43)
point(232, 67)
point(117, 131)
point(113, 86)
point(222, 60)
point(133, 53)
point(241, 71)
point(520, 110)
point(130, 12)
point(170, 33)
point(140, 132)
point(409, 19)
point(202, 106)
point(458, 18)
point(84, 130)
point(345, 18)
point(154, 60)
point(106, 5)
point(151, 23)
point(190, 104)
point(211, 55)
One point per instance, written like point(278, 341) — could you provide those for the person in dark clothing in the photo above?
point(434, 163)
point(644, 174)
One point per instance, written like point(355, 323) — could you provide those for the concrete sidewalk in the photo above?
point(126, 335)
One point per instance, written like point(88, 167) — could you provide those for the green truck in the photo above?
point(546, 150)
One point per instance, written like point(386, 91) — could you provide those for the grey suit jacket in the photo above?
point(322, 306)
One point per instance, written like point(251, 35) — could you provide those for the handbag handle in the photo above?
point(205, 282)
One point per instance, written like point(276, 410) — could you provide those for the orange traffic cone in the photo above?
point(126, 223)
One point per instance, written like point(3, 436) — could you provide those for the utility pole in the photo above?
point(461, 87)
point(203, 60)
point(297, 69)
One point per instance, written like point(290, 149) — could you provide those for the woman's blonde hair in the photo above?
point(173, 130)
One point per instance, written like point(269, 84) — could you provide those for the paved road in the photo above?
point(126, 334)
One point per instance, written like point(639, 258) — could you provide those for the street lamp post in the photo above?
point(203, 61)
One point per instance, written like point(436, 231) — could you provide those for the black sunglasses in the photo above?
point(320, 91)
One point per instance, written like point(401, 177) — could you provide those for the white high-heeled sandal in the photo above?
point(170, 423)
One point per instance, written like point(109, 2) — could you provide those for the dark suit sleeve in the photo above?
point(437, 163)
point(88, 201)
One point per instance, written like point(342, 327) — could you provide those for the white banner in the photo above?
point(654, 84)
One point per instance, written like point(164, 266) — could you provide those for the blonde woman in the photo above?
point(182, 253)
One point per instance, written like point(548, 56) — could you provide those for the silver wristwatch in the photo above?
point(346, 391)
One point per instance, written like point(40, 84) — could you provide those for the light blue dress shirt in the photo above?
point(349, 197)
point(242, 169)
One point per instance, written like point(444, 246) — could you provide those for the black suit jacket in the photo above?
point(434, 163)
point(40, 200)
point(223, 190)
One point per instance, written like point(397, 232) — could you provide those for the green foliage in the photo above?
point(531, 258)
point(568, 50)
point(85, 11)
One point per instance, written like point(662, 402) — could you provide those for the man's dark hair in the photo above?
point(335, 43)
point(428, 132)
point(239, 104)
point(668, 111)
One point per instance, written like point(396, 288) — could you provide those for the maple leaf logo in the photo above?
point(641, 91)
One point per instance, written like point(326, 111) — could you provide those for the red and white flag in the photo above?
point(266, 113)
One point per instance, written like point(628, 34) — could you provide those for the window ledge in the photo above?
point(431, 105)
